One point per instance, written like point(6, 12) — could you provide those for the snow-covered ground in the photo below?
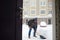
point(45, 31)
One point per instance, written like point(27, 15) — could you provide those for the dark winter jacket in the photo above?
point(31, 23)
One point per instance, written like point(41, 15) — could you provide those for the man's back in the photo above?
point(30, 22)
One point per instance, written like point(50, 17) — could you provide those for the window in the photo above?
point(49, 21)
point(26, 3)
point(26, 12)
point(42, 11)
point(50, 12)
point(42, 3)
point(33, 11)
point(33, 3)
point(50, 4)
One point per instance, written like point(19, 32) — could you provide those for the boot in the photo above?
point(29, 37)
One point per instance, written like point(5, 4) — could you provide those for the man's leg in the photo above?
point(34, 31)
point(29, 32)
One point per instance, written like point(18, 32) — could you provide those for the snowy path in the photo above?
point(45, 31)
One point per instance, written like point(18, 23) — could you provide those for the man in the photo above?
point(32, 24)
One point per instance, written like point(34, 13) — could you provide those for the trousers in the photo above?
point(34, 27)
